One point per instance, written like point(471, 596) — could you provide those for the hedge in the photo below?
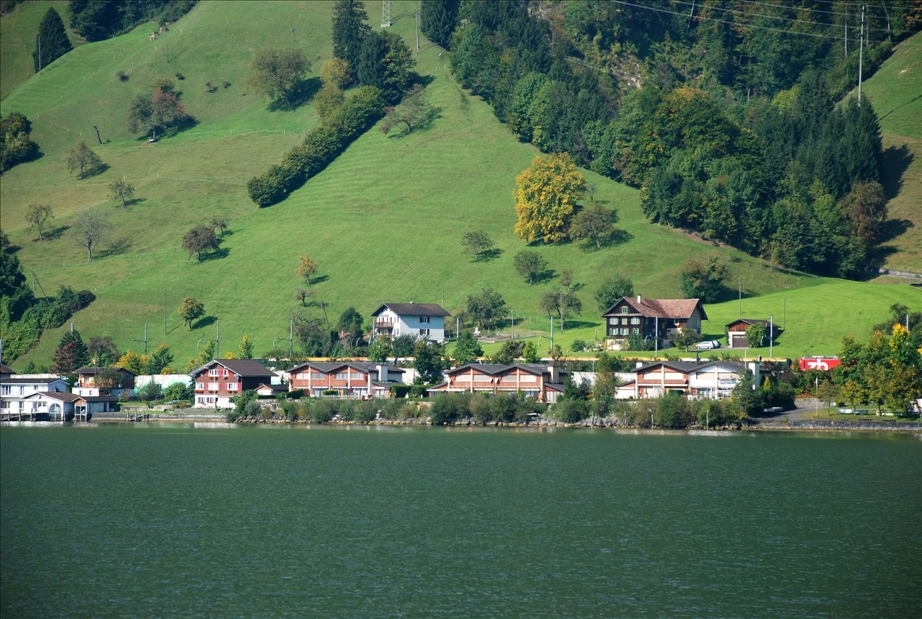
point(320, 147)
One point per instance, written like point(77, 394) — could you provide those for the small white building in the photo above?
point(417, 319)
point(15, 388)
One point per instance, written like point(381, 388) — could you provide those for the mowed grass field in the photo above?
point(896, 92)
point(384, 221)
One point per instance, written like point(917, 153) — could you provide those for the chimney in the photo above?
point(382, 373)
point(639, 300)
point(555, 373)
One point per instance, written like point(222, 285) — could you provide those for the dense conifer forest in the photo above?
point(738, 120)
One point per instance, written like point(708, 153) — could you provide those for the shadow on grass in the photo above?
point(117, 248)
point(319, 279)
point(577, 324)
point(893, 165)
point(544, 276)
point(305, 92)
point(133, 201)
point(617, 237)
point(490, 254)
point(205, 321)
point(93, 172)
point(56, 233)
point(217, 254)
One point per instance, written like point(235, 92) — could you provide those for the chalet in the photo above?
point(648, 318)
point(736, 331)
point(346, 378)
point(89, 383)
point(271, 390)
point(15, 388)
point(546, 383)
point(417, 319)
point(219, 381)
point(714, 380)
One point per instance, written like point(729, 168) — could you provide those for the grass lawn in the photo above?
point(384, 221)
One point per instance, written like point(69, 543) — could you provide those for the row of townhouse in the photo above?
point(711, 380)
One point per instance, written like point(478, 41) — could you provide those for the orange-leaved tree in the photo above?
point(546, 198)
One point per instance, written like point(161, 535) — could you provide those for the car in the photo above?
point(707, 345)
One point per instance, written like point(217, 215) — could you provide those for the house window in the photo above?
point(612, 321)
point(212, 386)
point(214, 372)
point(200, 386)
point(232, 386)
point(424, 320)
point(341, 375)
point(5, 390)
point(636, 330)
point(317, 376)
point(624, 309)
point(424, 331)
point(635, 321)
point(225, 373)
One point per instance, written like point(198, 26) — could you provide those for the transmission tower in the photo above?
point(386, 15)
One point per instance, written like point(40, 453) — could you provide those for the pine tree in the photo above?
point(862, 142)
point(349, 30)
point(437, 20)
point(51, 40)
point(70, 354)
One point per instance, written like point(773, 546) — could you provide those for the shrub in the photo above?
point(502, 408)
point(366, 411)
point(445, 408)
point(580, 345)
point(480, 408)
point(347, 410)
point(409, 410)
point(526, 406)
point(570, 411)
point(323, 411)
point(180, 76)
point(400, 391)
point(121, 76)
point(390, 408)
point(674, 411)
point(295, 394)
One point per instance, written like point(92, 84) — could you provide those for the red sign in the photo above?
point(818, 363)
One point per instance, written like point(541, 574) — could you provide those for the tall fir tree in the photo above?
point(70, 354)
point(437, 20)
point(51, 42)
point(862, 142)
point(349, 30)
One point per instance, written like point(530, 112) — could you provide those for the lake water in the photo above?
point(176, 521)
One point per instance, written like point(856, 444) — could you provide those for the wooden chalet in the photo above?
point(218, 382)
point(736, 331)
point(88, 382)
point(647, 318)
point(346, 378)
point(546, 383)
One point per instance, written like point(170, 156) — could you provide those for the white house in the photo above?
point(417, 319)
point(15, 388)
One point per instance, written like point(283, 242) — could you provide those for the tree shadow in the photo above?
point(893, 165)
point(217, 254)
point(490, 254)
point(205, 321)
point(893, 228)
point(116, 248)
point(12, 249)
point(571, 323)
point(544, 276)
point(305, 92)
point(56, 233)
point(319, 279)
point(94, 171)
point(424, 125)
point(134, 201)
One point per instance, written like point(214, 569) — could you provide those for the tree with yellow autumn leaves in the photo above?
point(546, 198)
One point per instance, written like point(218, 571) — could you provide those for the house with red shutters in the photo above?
point(218, 382)
point(651, 318)
point(346, 378)
point(544, 382)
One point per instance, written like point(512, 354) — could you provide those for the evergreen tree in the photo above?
point(437, 20)
point(70, 354)
point(862, 142)
point(385, 62)
point(51, 40)
point(349, 30)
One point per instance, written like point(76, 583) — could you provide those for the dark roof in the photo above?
point(329, 366)
point(276, 388)
point(94, 371)
point(413, 309)
point(4, 369)
point(499, 368)
point(240, 367)
point(98, 398)
point(660, 308)
point(752, 321)
point(24, 379)
point(64, 396)
point(688, 366)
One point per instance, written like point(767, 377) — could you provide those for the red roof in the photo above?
point(660, 308)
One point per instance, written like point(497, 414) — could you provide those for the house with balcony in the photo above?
point(90, 384)
point(546, 383)
point(651, 318)
point(417, 319)
point(15, 388)
point(713, 380)
point(362, 379)
point(219, 381)
point(64, 406)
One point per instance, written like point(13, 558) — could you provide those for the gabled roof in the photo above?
point(63, 396)
point(6, 369)
point(94, 371)
point(660, 308)
point(413, 309)
point(687, 367)
point(25, 379)
point(328, 367)
point(240, 367)
point(499, 368)
point(753, 321)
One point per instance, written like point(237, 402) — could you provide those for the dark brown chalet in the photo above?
point(736, 331)
point(648, 317)
point(219, 381)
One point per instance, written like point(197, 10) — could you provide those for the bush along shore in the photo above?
point(672, 412)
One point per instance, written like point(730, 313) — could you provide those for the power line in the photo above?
point(779, 17)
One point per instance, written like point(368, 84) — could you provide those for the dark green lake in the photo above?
point(155, 521)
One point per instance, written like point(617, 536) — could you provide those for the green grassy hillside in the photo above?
point(17, 40)
point(384, 221)
point(896, 92)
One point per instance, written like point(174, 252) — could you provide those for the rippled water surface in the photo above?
point(153, 521)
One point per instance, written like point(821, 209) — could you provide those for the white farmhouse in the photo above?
point(417, 319)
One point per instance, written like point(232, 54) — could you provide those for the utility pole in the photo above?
point(39, 55)
point(145, 338)
point(457, 327)
point(846, 29)
point(655, 337)
point(417, 31)
point(291, 334)
point(292, 38)
point(164, 312)
point(386, 14)
point(771, 336)
point(552, 334)
point(513, 324)
point(166, 40)
point(217, 342)
point(860, 55)
point(741, 297)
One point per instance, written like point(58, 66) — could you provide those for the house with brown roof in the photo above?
point(89, 383)
point(736, 331)
point(15, 388)
point(546, 383)
point(64, 406)
point(346, 378)
point(218, 382)
point(651, 318)
point(712, 380)
point(417, 319)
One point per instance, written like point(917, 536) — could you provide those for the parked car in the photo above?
point(707, 345)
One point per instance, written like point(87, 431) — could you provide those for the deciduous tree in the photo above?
point(595, 223)
point(429, 362)
point(102, 351)
point(466, 349)
point(530, 265)
point(486, 308)
point(159, 360)
point(476, 242)
point(245, 350)
point(90, 228)
point(546, 198)
point(37, 216)
point(306, 268)
point(121, 190)
point(158, 110)
point(303, 294)
point(278, 73)
point(83, 160)
point(562, 303)
point(191, 310)
point(612, 289)
point(413, 112)
point(684, 337)
point(704, 281)
point(865, 207)
point(200, 239)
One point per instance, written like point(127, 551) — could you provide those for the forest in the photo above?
point(737, 119)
